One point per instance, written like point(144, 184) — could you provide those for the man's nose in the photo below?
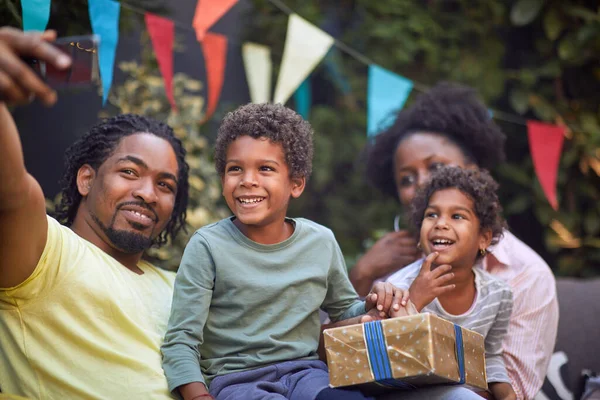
point(146, 191)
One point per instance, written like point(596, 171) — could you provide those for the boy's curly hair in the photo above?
point(478, 185)
point(448, 109)
point(275, 122)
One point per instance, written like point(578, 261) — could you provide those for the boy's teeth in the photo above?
point(249, 201)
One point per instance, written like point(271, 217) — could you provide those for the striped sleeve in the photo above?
point(533, 327)
point(495, 367)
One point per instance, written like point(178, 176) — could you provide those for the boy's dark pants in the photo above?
point(293, 380)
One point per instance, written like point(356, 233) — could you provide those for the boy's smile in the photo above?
point(451, 228)
point(257, 187)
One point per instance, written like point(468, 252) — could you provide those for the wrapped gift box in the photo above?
point(406, 352)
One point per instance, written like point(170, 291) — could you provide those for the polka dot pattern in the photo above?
point(420, 347)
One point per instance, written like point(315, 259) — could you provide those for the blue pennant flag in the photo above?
point(303, 98)
point(36, 14)
point(386, 94)
point(104, 15)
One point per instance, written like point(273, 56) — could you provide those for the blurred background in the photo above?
point(529, 59)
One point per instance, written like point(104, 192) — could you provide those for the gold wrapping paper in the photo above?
point(421, 351)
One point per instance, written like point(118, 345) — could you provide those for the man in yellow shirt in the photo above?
point(81, 314)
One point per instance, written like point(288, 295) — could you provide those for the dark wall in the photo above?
point(47, 132)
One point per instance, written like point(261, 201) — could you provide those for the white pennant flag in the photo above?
point(258, 66)
point(305, 46)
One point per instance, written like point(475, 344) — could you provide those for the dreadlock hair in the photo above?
point(451, 110)
point(477, 185)
point(96, 145)
point(274, 122)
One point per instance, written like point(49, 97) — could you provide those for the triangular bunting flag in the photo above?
point(259, 67)
point(214, 47)
point(303, 99)
point(545, 145)
point(35, 14)
point(104, 15)
point(162, 34)
point(387, 92)
point(208, 12)
point(305, 46)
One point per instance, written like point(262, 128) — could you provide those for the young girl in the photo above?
point(458, 216)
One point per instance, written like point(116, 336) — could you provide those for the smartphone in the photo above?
point(83, 71)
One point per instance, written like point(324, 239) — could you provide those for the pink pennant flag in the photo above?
point(214, 47)
point(162, 35)
point(208, 12)
point(545, 145)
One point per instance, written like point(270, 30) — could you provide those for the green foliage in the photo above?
point(536, 58)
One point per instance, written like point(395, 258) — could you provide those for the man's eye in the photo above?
point(406, 180)
point(128, 171)
point(167, 185)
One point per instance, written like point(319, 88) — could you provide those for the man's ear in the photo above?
point(298, 185)
point(85, 179)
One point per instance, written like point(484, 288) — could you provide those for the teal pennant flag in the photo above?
point(303, 98)
point(36, 14)
point(104, 15)
point(386, 94)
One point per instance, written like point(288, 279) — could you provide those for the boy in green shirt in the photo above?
point(245, 314)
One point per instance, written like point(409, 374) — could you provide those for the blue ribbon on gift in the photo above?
point(380, 361)
point(460, 353)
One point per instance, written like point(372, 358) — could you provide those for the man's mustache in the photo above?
point(139, 204)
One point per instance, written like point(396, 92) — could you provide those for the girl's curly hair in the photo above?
point(96, 145)
point(478, 185)
point(275, 122)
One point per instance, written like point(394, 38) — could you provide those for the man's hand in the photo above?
point(390, 253)
point(430, 284)
point(386, 298)
point(19, 84)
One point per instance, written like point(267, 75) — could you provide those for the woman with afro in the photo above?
point(448, 125)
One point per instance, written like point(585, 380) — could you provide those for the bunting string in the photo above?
point(306, 46)
point(357, 55)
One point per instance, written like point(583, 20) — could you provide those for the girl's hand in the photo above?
point(386, 298)
point(430, 284)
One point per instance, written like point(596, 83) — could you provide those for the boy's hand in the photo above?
point(18, 82)
point(385, 297)
point(430, 284)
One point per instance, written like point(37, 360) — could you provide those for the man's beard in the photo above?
point(127, 241)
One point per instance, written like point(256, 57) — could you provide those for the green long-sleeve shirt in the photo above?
point(239, 304)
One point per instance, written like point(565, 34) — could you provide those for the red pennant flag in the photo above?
point(162, 34)
point(208, 12)
point(214, 47)
point(545, 145)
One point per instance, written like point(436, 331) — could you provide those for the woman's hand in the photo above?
point(392, 252)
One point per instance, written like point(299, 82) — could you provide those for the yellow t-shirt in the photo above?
point(83, 326)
